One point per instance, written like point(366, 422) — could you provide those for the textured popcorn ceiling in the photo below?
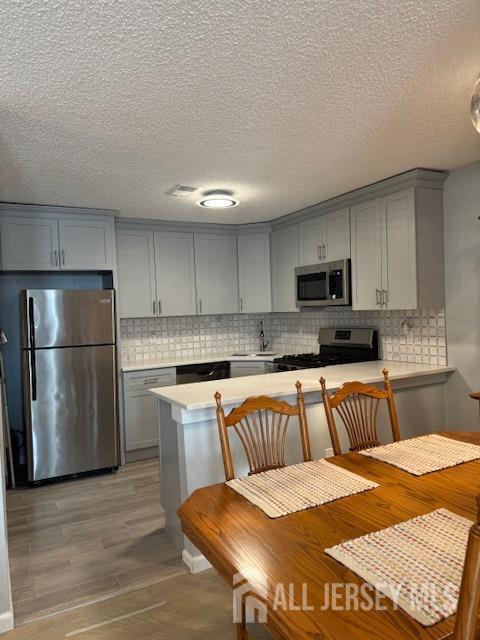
point(109, 103)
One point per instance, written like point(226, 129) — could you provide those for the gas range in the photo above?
point(337, 346)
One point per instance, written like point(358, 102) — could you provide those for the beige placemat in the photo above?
point(425, 454)
point(300, 486)
point(418, 563)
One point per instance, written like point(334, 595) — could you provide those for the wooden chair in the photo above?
point(357, 404)
point(261, 424)
point(466, 620)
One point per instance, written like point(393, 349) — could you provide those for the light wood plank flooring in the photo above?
point(187, 607)
point(79, 541)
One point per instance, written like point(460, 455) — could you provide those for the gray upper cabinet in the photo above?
point(366, 255)
point(325, 238)
point(137, 290)
point(29, 243)
point(284, 262)
point(155, 273)
point(86, 244)
point(397, 251)
point(311, 241)
point(162, 273)
point(175, 273)
point(52, 243)
point(254, 282)
point(216, 273)
point(399, 259)
point(336, 235)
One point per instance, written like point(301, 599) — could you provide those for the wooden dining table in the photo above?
point(238, 538)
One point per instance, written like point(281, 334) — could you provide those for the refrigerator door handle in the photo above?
point(33, 363)
point(33, 381)
point(31, 322)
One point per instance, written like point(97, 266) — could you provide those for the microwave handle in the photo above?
point(330, 285)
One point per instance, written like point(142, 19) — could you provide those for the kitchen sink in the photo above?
point(255, 354)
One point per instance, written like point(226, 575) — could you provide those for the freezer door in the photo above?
point(71, 409)
point(61, 318)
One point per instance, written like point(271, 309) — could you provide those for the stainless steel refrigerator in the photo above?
point(70, 388)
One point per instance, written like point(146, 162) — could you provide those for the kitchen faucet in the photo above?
point(263, 342)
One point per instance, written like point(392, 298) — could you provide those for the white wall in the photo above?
point(462, 256)
point(6, 607)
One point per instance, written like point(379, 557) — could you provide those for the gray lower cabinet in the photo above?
point(141, 420)
point(246, 368)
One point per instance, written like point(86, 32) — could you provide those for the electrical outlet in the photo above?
point(328, 452)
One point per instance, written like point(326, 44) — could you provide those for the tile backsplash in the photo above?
point(409, 336)
point(149, 339)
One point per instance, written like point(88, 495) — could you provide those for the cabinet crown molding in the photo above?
point(195, 227)
point(49, 210)
point(425, 178)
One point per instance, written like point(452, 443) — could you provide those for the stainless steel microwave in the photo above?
point(322, 285)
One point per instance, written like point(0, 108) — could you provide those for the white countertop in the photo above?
point(162, 364)
point(200, 395)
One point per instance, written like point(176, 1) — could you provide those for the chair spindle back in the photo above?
point(261, 425)
point(357, 404)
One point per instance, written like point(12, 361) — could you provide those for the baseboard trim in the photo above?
point(196, 564)
point(6, 621)
point(141, 454)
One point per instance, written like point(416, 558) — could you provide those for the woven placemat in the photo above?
point(418, 564)
point(279, 492)
point(425, 454)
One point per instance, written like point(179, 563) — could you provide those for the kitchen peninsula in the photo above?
point(189, 444)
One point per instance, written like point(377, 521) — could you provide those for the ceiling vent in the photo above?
point(181, 191)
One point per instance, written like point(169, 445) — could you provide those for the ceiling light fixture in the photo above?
point(218, 200)
point(475, 106)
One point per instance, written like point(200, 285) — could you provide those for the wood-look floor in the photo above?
point(187, 607)
point(80, 541)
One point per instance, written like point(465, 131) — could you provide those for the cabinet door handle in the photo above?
point(378, 296)
point(324, 251)
point(159, 307)
point(200, 305)
point(384, 297)
point(63, 257)
point(154, 307)
point(241, 304)
point(55, 255)
point(319, 251)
